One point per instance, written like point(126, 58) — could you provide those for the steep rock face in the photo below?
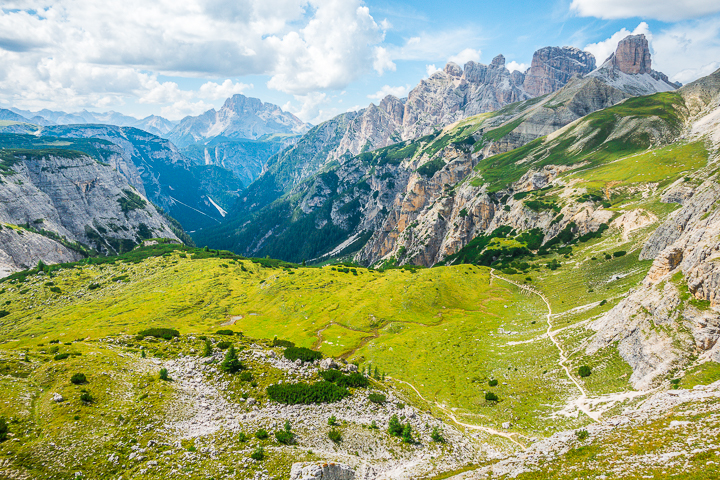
point(553, 67)
point(681, 292)
point(76, 199)
point(158, 170)
point(21, 249)
point(239, 117)
point(681, 295)
point(633, 55)
point(629, 69)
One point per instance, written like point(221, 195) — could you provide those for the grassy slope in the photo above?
point(436, 328)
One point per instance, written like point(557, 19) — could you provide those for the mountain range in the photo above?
point(503, 275)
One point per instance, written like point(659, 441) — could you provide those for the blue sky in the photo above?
point(316, 58)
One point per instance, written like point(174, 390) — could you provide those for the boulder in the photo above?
point(325, 471)
point(58, 398)
point(329, 364)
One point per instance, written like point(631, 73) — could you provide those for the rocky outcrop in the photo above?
point(325, 471)
point(239, 117)
point(629, 69)
point(71, 198)
point(632, 55)
point(675, 313)
point(21, 249)
point(553, 67)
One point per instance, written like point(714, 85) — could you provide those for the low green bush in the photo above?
point(61, 356)
point(245, 376)
point(225, 332)
point(354, 380)
point(377, 398)
point(619, 253)
point(334, 435)
point(302, 353)
point(78, 379)
point(491, 397)
point(304, 393)
point(582, 434)
point(584, 371)
point(261, 434)
point(85, 397)
point(436, 436)
point(3, 429)
point(258, 454)
point(493, 383)
point(164, 374)
point(223, 345)
point(164, 333)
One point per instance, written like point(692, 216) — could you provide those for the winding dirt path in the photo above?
point(450, 414)
point(581, 401)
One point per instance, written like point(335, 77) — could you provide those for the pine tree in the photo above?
point(395, 428)
point(376, 375)
point(142, 353)
point(231, 364)
point(207, 350)
point(407, 433)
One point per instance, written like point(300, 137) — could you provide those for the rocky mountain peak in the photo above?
point(552, 68)
point(240, 104)
point(632, 55)
point(498, 61)
point(629, 69)
point(453, 69)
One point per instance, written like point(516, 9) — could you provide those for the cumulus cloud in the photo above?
point(602, 50)
point(431, 70)
point(436, 46)
point(81, 52)
point(214, 91)
point(515, 66)
point(465, 56)
point(386, 90)
point(313, 107)
point(665, 10)
point(689, 50)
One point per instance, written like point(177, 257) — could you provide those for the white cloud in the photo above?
point(687, 51)
point(383, 61)
point(666, 10)
point(214, 91)
point(431, 70)
point(465, 56)
point(436, 46)
point(602, 50)
point(311, 107)
point(515, 66)
point(183, 108)
point(66, 53)
point(398, 92)
point(334, 48)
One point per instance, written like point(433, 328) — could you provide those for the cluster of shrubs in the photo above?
point(228, 332)
point(397, 429)
point(584, 371)
point(355, 379)
point(164, 333)
point(301, 353)
point(304, 393)
point(378, 398)
point(282, 343)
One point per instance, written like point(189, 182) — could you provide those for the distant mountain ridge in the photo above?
point(153, 124)
point(239, 117)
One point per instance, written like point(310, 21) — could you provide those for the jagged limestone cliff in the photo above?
point(75, 202)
